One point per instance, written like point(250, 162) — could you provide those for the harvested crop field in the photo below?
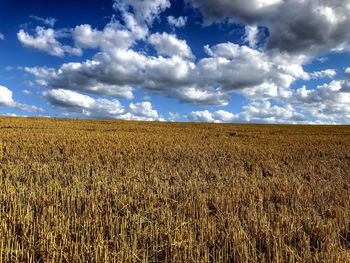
point(119, 191)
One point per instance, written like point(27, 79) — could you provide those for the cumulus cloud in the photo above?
point(309, 27)
point(117, 69)
point(217, 116)
point(7, 114)
point(264, 112)
point(142, 111)
point(6, 97)
point(200, 96)
point(6, 100)
point(312, 27)
point(110, 38)
point(328, 73)
point(49, 21)
point(200, 116)
point(236, 68)
point(248, 11)
point(177, 22)
point(114, 36)
point(251, 35)
point(145, 11)
point(229, 68)
point(178, 78)
point(138, 15)
point(347, 73)
point(329, 102)
point(45, 40)
point(105, 75)
point(71, 103)
point(254, 112)
point(170, 45)
point(265, 91)
point(173, 116)
point(115, 74)
point(27, 92)
point(29, 108)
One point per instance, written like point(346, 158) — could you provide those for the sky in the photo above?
point(252, 61)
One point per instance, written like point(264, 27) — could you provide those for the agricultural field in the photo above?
point(121, 191)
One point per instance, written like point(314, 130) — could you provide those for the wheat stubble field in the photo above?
point(118, 191)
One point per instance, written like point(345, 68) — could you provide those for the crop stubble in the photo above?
point(119, 191)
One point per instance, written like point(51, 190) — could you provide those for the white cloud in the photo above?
point(42, 74)
point(6, 97)
point(138, 15)
point(29, 108)
point(235, 67)
point(347, 72)
point(328, 73)
point(106, 75)
point(139, 30)
point(177, 22)
point(308, 27)
point(217, 116)
point(201, 116)
point(298, 32)
point(173, 71)
point(248, 10)
point(6, 100)
point(198, 95)
point(263, 91)
point(145, 11)
point(73, 104)
point(9, 68)
point(170, 45)
point(173, 116)
point(251, 35)
point(328, 102)
point(230, 68)
point(116, 75)
point(224, 116)
point(2, 37)
point(117, 70)
point(49, 21)
point(27, 92)
point(10, 114)
point(45, 40)
point(143, 111)
point(112, 37)
point(254, 112)
point(264, 112)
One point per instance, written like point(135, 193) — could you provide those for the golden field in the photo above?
point(119, 191)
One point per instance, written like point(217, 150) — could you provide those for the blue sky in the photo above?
point(254, 61)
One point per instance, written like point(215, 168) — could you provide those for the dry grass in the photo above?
point(114, 191)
